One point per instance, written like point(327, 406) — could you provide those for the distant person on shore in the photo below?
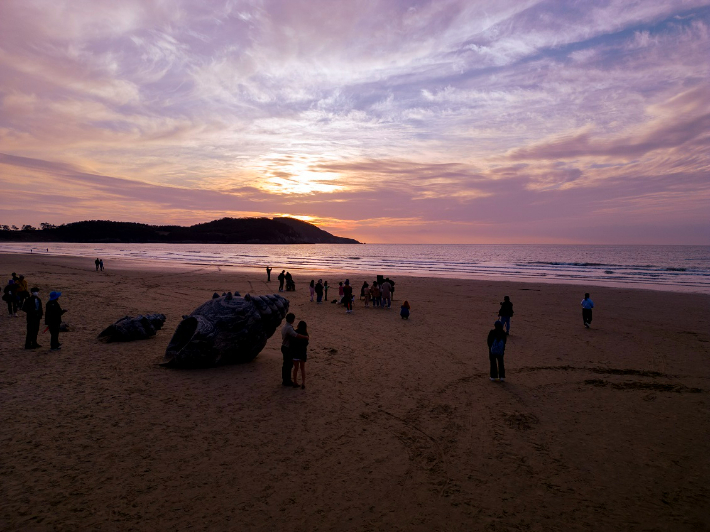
point(53, 319)
point(496, 349)
point(101, 264)
point(325, 290)
point(365, 291)
point(281, 278)
point(404, 310)
point(33, 308)
point(340, 292)
point(348, 297)
point(21, 291)
point(587, 306)
point(9, 295)
point(268, 274)
point(386, 291)
point(287, 334)
point(312, 289)
point(505, 313)
point(319, 291)
point(299, 348)
point(376, 296)
point(97, 263)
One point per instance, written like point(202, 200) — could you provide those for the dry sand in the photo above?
point(399, 427)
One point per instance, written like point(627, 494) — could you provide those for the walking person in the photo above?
point(288, 333)
point(365, 291)
point(101, 264)
point(496, 349)
point(319, 291)
point(348, 297)
point(505, 313)
point(268, 274)
point(312, 289)
point(97, 263)
point(340, 293)
point(9, 295)
point(299, 348)
point(325, 290)
point(33, 308)
point(281, 278)
point(587, 306)
point(53, 319)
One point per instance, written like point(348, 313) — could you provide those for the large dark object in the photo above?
point(128, 329)
point(226, 330)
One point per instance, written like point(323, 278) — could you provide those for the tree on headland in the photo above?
point(15, 228)
point(45, 225)
point(28, 227)
point(5, 227)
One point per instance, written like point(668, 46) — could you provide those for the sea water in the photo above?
point(672, 268)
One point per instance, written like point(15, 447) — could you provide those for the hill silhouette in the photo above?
point(224, 231)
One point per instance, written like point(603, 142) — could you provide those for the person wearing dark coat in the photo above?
point(53, 319)
point(496, 349)
point(281, 278)
point(319, 291)
point(33, 308)
point(9, 295)
point(505, 313)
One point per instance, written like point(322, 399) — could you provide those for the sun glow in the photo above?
point(298, 175)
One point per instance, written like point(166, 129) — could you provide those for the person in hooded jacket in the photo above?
point(496, 349)
point(33, 308)
point(53, 319)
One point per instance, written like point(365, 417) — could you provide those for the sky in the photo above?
point(446, 121)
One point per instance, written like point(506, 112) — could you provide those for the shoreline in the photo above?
point(157, 263)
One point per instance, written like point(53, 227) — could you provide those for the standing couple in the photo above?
point(294, 347)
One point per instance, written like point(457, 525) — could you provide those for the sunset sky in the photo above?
point(386, 121)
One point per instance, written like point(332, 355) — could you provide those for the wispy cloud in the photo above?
point(426, 114)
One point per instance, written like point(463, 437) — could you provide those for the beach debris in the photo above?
point(65, 327)
point(129, 328)
point(226, 330)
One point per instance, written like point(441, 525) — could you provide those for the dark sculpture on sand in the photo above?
point(226, 330)
point(128, 329)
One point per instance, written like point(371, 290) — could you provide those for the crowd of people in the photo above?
point(294, 344)
point(379, 294)
point(18, 297)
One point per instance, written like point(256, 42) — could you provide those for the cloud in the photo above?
point(425, 112)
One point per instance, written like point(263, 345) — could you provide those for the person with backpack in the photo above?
point(496, 349)
point(587, 306)
point(33, 308)
point(505, 313)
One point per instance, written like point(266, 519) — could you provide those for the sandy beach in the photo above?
point(399, 427)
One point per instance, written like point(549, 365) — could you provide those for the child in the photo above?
point(299, 349)
point(404, 310)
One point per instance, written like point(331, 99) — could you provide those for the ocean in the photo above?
point(670, 268)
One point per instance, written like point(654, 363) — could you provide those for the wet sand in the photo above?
point(398, 428)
